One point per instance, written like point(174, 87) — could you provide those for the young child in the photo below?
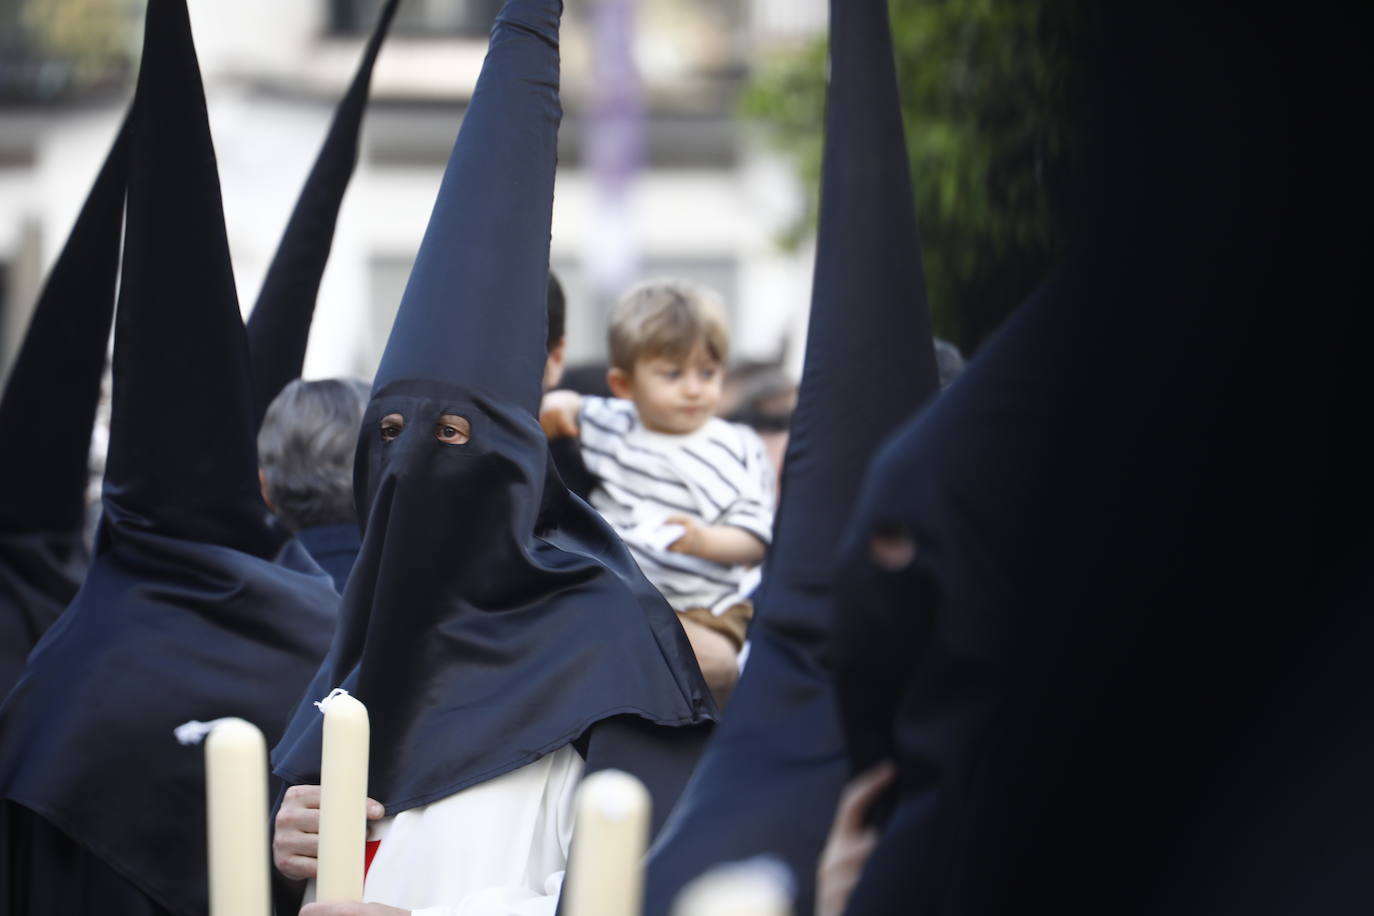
point(690, 494)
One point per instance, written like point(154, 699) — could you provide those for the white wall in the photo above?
point(267, 136)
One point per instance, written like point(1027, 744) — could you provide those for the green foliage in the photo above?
point(996, 98)
point(83, 43)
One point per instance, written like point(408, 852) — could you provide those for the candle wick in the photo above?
point(336, 692)
point(194, 732)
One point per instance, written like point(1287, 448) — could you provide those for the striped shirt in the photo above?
point(718, 475)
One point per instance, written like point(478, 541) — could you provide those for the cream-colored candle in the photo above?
point(737, 889)
point(606, 876)
point(237, 815)
point(343, 800)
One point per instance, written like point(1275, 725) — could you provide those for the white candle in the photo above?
point(606, 876)
point(750, 888)
point(343, 800)
point(237, 815)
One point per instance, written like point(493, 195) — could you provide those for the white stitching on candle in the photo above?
point(194, 732)
point(336, 692)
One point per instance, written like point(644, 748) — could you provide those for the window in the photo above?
point(588, 312)
point(416, 18)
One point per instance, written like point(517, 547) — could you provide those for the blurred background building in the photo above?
point(657, 174)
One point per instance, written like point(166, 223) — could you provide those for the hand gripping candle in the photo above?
point(235, 814)
point(343, 799)
point(606, 867)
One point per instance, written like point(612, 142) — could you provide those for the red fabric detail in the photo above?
point(369, 854)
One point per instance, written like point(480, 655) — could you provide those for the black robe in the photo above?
point(44, 871)
point(334, 548)
point(1116, 675)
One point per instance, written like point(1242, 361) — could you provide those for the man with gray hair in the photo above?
point(305, 460)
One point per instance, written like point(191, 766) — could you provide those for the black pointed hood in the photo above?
point(869, 364)
point(491, 617)
point(279, 325)
point(194, 607)
point(53, 389)
point(180, 360)
point(46, 415)
point(870, 360)
point(475, 311)
point(1117, 519)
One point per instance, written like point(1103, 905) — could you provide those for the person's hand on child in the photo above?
point(296, 840)
point(558, 413)
point(851, 841)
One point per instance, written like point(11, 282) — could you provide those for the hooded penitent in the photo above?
point(194, 606)
point(46, 416)
point(869, 365)
point(491, 617)
point(1101, 662)
point(279, 325)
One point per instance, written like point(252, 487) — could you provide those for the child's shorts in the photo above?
point(733, 623)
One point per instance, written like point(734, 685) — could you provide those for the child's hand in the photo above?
point(690, 542)
point(296, 840)
point(558, 413)
point(723, 544)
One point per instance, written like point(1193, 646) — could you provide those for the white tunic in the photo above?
point(498, 848)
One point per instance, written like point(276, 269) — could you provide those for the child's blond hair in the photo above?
point(667, 318)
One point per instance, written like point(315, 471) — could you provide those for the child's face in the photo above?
point(672, 395)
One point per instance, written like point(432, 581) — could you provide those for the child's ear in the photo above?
point(618, 380)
